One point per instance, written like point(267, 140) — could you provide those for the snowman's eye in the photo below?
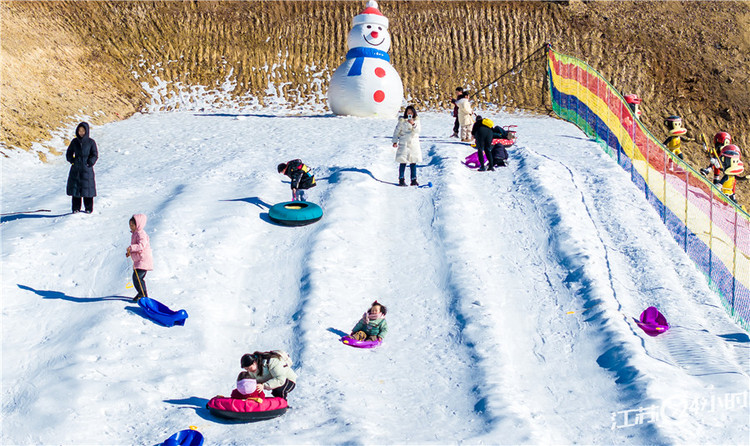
point(369, 26)
point(380, 28)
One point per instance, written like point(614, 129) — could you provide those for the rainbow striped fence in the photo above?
point(710, 227)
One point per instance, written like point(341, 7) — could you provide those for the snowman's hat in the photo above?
point(371, 14)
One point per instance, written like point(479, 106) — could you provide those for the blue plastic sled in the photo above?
point(161, 313)
point(187, 437)
point(295, 213)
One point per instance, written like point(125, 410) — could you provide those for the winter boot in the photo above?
point(360, 335)
point(482, 168)
point(401, 182)
point(414, 182)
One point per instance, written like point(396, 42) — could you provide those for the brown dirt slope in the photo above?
point(65, 59)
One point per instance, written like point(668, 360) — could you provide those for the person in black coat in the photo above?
point(300, 175)
point(483, 138)
point(456, 124)
point(82, 155)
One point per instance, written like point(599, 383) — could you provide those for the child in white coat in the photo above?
point(465, 117)
point(406, 138)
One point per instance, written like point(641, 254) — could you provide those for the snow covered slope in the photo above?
point(511, 294)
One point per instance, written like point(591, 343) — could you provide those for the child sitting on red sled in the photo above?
point(372, 326)
point(247, 389)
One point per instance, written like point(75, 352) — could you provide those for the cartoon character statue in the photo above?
point(721, 140)
point(731, 162)
point(366, 84)
point(676, 135)
point(634, 102)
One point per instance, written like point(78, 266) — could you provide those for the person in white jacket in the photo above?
point(406, 138)
point(271, 371)
point(465, 117)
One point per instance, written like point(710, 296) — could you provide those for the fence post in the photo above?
point(578, 96)
point(598, 82)
point(563, 79)
point(664, 203)
point(734, 261)
point(609, 133)
point(711, 234)
point(648, 164)
point(588, 96)
point(632, 157)
point(633, 146)
point(687, 183)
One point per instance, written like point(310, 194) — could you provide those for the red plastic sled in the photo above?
point(652, 322)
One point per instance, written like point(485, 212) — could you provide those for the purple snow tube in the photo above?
point(359, 344)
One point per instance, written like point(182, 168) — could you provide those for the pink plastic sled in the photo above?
point(653, 322)
point(359, 344)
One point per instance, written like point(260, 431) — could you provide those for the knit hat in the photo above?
point(246, 386)
point(371, 14)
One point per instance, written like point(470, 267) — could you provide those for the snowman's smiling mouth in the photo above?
point(372, 43)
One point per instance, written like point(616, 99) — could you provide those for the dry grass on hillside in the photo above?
point(66, 59)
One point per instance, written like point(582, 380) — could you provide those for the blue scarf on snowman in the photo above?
point(359, 55)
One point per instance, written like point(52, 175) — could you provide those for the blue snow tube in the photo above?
point(295, 213)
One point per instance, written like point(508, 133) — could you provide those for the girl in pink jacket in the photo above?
point(140, 251)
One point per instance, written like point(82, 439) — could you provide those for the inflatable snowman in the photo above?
point(366, 84)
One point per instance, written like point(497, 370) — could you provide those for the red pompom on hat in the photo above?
point(371, 14)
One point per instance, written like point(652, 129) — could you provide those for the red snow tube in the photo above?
point(247, 410)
